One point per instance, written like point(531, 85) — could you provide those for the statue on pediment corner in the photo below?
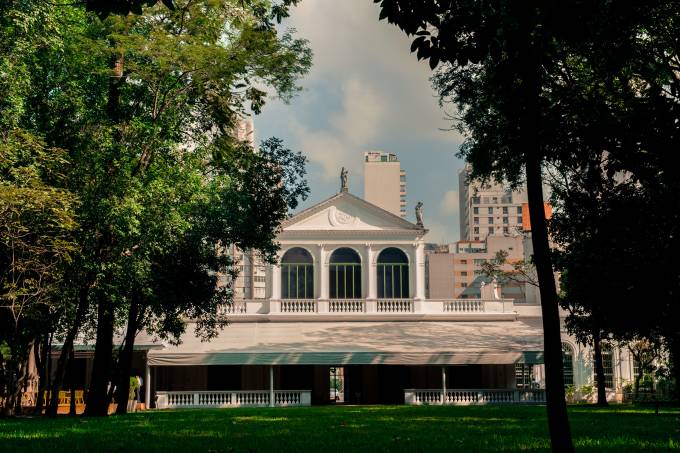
point(343, 180)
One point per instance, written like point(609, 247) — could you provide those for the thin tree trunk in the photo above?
point(638, 378)
point(98, 395)
point(599, 370)
point(40, 353)
point(125, 360)
point(529, 145)
point(62, 363)
point(72, 405)
point(675, 365)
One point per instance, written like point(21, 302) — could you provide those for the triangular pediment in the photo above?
point(346, 212)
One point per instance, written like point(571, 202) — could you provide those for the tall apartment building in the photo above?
point(489, 209)
point(385, 182)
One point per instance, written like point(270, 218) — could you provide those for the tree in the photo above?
point(36, 240)
point(497, 52)
point(146, 105)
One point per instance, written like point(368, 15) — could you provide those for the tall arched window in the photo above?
point(297, 274)
point(345, 274)
point(568, 363)
point(392, 274)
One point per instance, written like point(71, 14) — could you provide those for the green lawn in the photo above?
point(327, 429)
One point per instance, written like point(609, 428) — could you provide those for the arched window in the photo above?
point(568, 363)
point(297, 274)
point(345, 274)
point(392, 274)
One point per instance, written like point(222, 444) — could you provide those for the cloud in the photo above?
point(438, 232)
point(348, 134)
point(450, 202)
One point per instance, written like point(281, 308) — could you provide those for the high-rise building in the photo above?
point(385, 182)
point(488, 209)
point(250, 283)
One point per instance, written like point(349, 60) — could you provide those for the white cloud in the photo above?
point(351, 129)
point(449, 203)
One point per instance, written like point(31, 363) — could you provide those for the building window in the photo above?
point(476, 230)
point(345, 274)
point(463, 285)
point(476, 238)
point(392, 274)
point(475, 200)
point(463, 273)
point(519, 220)
point(608, 365)
point(568, 363)
point(463, 261)
point(506, 230)
point(475, 210)
point(523, 374)
point(297, 274)
point(505, 220)
point(505, 209)
point(476, 220)
point(519, 210)
point(490, 219)
point(490, 210)
point(491, 230)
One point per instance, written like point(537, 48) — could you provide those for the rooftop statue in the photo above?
point(343, 180)
point(419, 214)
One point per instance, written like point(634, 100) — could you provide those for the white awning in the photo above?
point(359, 343)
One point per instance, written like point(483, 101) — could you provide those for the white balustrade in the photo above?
point(374, 307)
point(346, 305)
point(395, 306)
point(237, 307)
point(235, 398)
point(298, 306)
point(463, 306)
point(466, 397)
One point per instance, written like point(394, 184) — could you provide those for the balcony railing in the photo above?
point(232, 398)
point(369, 307)
point(467, 397)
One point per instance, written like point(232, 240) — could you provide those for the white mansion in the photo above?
point(346, 308)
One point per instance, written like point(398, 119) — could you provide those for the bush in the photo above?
point(134, 385)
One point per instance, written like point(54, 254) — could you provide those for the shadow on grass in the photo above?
point(371, 428)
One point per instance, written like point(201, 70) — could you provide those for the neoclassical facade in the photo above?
point(345, 319)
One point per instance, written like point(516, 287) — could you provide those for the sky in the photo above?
point(366, 91)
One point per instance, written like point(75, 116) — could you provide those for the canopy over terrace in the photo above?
point(359, 343)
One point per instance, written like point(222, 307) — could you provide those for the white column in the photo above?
point(372, 270)
point(419, 269)
point(147, 384)
point(276, 282)
point(322, 268)
point(271, 385)
point(443, 385)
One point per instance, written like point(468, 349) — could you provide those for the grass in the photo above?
point(360, 428)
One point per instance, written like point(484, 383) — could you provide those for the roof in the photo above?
point(360, 343)
point(397, 222)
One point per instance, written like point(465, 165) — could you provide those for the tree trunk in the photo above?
point(638, 378)
point(62, 363)
point(41, 358)
point(16, 375)
point(675, 365)
point(72, 405)
point(529, 145)
point(125, 360)
point(599, 370)
point(98, 395)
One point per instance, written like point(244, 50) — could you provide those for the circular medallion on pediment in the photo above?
point(339, 218)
